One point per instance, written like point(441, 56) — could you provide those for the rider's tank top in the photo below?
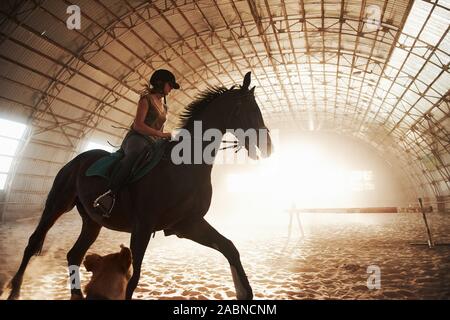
point(155, 117)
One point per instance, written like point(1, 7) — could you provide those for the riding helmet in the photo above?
point(160, 77)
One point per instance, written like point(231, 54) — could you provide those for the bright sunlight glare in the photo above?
point(302, 173)
point(95, 145)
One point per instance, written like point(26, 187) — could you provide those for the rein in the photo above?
point(235, 145)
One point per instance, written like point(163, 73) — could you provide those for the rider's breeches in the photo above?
point(133, 146)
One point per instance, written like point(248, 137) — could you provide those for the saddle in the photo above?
point(150, 157)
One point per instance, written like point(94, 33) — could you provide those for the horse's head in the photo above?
point(247, 122)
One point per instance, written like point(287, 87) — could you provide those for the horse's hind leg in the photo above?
point(33, 247)
point(88, 235)
point(203, 233)
point(60, 199)
point(51, 213)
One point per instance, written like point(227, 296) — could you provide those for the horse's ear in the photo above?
point(247, 79)
point(252, 90)
point(232, 87)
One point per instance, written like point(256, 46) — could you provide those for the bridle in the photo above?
point(236, 144)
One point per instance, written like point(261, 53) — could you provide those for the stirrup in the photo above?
point(106, 211)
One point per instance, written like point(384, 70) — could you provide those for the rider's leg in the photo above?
point(133, 146)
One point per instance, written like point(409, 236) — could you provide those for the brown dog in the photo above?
point(110, 275)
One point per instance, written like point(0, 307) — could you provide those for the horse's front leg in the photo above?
point(203, 233)
point(88, 235)
point(140, 238)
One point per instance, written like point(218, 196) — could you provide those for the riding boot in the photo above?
point(105, 202)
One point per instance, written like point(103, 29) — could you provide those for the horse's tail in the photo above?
point(61, 199)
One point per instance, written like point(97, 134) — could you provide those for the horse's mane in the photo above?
point(201, 101)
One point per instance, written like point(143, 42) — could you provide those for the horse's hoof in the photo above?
point(14, 286)
point(76, 296)
point(248, 295)
point(14, 295)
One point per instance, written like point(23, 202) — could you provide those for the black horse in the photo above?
point(171, 197)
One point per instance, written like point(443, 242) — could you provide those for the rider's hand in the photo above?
point(166, 135)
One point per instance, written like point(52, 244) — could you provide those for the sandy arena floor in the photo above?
point(329, 263)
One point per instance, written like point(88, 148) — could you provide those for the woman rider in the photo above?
point(146, 128)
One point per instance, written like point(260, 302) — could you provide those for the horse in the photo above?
point(172, 197)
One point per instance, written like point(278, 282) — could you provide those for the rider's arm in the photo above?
point(139, 124)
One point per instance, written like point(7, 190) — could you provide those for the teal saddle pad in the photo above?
point(104, 167)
